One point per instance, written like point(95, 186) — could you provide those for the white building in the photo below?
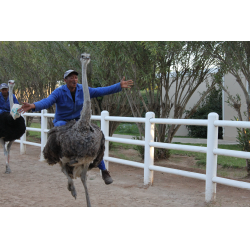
point(228, 113)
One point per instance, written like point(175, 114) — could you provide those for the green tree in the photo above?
point(211, 103)
point(162, 66)
point(234, 58)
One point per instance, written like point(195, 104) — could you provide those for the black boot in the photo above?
point(106, 177)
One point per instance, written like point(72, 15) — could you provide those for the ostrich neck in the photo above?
point(86, 111)
point(11, 96)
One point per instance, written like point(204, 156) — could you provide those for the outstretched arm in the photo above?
point(43, 104)
point(102, 91)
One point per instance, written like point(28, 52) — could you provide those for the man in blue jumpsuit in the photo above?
point(69, 102)
point(4, 98)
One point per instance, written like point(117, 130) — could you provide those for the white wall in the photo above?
point(229, 112)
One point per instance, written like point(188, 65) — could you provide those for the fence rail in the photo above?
point(149, 144)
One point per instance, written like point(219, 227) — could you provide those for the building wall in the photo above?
point(228, 112)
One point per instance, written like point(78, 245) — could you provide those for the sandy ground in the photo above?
point(35, 184)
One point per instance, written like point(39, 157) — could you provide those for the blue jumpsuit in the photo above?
point(67, 109)
point(5, 105)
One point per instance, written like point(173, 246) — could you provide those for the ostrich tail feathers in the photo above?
point(51, 151)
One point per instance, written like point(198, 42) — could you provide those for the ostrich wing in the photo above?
point(11, 129)
point(52, 150)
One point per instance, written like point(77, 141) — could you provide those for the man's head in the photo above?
point(71, 79)
point(4, 89)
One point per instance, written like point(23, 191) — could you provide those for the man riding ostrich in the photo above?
point(69, 100)
point(10, 129)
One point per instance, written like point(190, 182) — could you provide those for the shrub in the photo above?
point(243, 138)
point(211, 103)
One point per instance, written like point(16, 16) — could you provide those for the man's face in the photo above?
point(71, 81)
point(5, 92)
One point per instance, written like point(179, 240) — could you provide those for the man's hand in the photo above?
point(26, 107)
point(126, 84)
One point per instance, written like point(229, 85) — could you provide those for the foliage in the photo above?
point(146, 101)
point(234, 57)
point(243, 138)
point(212, 103)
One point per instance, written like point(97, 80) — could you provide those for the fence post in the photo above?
point(105, 130)
point(23, 138)
point(43, 134)
point(149, 151)
point(211, 162)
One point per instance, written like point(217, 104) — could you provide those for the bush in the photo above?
point(243, 138)
point(211, 103)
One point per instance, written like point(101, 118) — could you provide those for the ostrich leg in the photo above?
point(6, 153)
point(84, 181)
point(8, 171)
point(3, 144)
point(71, 186)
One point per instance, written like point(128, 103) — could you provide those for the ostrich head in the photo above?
point(11, 84)
point(85, 58)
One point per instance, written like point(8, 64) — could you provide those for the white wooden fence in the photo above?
point(211, 150)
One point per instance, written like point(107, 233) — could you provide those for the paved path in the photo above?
point(184, 140)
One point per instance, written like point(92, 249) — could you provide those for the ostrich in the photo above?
point(10, 129)
point(78, 146)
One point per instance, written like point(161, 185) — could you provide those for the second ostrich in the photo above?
point(77, 146)
point(10, 129)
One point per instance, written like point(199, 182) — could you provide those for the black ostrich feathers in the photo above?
point(11, 129)
point(54, 150)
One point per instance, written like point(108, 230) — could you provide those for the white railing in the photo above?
point(211, 150)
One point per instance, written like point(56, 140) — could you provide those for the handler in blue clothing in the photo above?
point(69, 102)
point(4, 98)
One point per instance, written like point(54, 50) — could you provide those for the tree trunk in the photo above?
point(248, 167)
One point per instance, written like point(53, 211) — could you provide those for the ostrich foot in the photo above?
point(8, 171)
point(72, 189)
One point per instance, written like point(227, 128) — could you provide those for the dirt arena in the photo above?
point(35, 184)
